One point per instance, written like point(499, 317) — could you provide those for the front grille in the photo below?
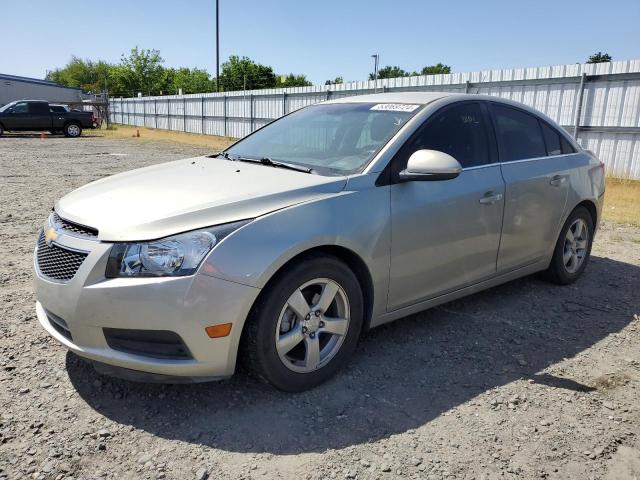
point(73, 228)
point(149, 343)
point(59, 325)
point(57, 262)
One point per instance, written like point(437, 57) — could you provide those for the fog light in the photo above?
point(217, 331)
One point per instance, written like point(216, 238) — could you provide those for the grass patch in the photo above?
point(125, 131)
point(622, 201)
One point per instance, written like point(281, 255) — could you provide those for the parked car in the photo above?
point(283, 249)
point(37, 115)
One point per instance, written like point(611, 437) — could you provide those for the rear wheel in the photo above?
point(306, 324)
point(1, 129)
point(573, 248)
point(72, 130)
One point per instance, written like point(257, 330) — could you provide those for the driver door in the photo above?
point(446, 234)
point(17, 117)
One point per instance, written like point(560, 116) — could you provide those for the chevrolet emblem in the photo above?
point(50, 235)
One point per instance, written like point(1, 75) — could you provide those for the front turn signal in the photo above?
point(218, 331)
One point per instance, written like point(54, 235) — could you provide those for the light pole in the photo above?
point(376, 58)
point(217, 48)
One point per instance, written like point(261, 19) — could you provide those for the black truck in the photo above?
point(37, 115)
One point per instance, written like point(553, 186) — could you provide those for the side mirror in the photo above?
point(430, 165)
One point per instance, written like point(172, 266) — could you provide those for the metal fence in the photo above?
point(597, 103)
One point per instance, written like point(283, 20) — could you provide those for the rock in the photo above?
point(104, 433)
point(144, 458)
point(365, 463)
point(202, 474)
point(385, 467)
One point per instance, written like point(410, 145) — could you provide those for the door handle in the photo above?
point(490, 198)
point(557, 180)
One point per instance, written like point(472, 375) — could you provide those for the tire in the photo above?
point(570, 259)
point(1, 129)
point(72, 130)
point(295, 365)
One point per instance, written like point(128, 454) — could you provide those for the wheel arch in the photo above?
point(591, 208)
point(349, 258)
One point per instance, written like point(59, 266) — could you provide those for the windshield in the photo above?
point(338, 138)
point(7, 106)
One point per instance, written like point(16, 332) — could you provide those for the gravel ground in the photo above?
point(527, 380)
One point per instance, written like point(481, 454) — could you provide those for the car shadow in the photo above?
point(404, 374)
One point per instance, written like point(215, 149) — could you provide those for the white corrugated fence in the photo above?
point(602, 99)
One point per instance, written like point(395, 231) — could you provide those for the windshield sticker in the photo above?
point(395, 107)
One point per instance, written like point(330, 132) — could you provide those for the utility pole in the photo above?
point(217, 47)
point(376, 58)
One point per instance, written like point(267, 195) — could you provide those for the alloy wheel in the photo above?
point(575, 245)
point(312, 325)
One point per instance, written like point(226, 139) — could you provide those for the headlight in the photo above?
point(173, 256)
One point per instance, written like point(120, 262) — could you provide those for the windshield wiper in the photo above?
point(275, 163)
point(224, 155)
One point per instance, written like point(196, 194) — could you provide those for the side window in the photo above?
point(38, 108)
point(519, 134)
point(459, 130)
point(21, 107)
point(551, 139)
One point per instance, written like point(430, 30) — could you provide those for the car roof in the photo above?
point(421, 98)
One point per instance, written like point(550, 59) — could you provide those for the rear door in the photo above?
point(445, 234)
point(40, 116)
point(536, 177)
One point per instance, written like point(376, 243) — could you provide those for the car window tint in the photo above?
point(551, 139)
point(38, 108)
point(566, 146)
point(519, 134)
point(459, 131)
point(21, 108)
point(58, 109)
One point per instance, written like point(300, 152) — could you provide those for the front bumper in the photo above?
point(89, 302)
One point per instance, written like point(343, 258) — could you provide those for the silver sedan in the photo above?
point(282, 250)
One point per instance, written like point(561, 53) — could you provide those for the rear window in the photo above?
point(551, 139)
point(38, 107)
point(519, 134)
point(566, 146)
point(58, 109)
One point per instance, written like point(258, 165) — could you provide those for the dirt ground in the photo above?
point(527, 380)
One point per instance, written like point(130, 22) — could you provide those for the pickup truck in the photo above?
point(38, 115)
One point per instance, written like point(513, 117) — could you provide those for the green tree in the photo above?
point(389, 72)
point(292, 80)
point(85, 74)
point(142, 71)
point(193, 80)
point(599, 57)
point(435, 69)
point(335, 81)
point(238, 72)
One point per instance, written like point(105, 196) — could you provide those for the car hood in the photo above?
point(169, 198)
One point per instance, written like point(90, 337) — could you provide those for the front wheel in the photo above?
point(306, 324)
point(573, 248)
point(72, 130)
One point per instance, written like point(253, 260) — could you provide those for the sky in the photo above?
point(321, 39)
